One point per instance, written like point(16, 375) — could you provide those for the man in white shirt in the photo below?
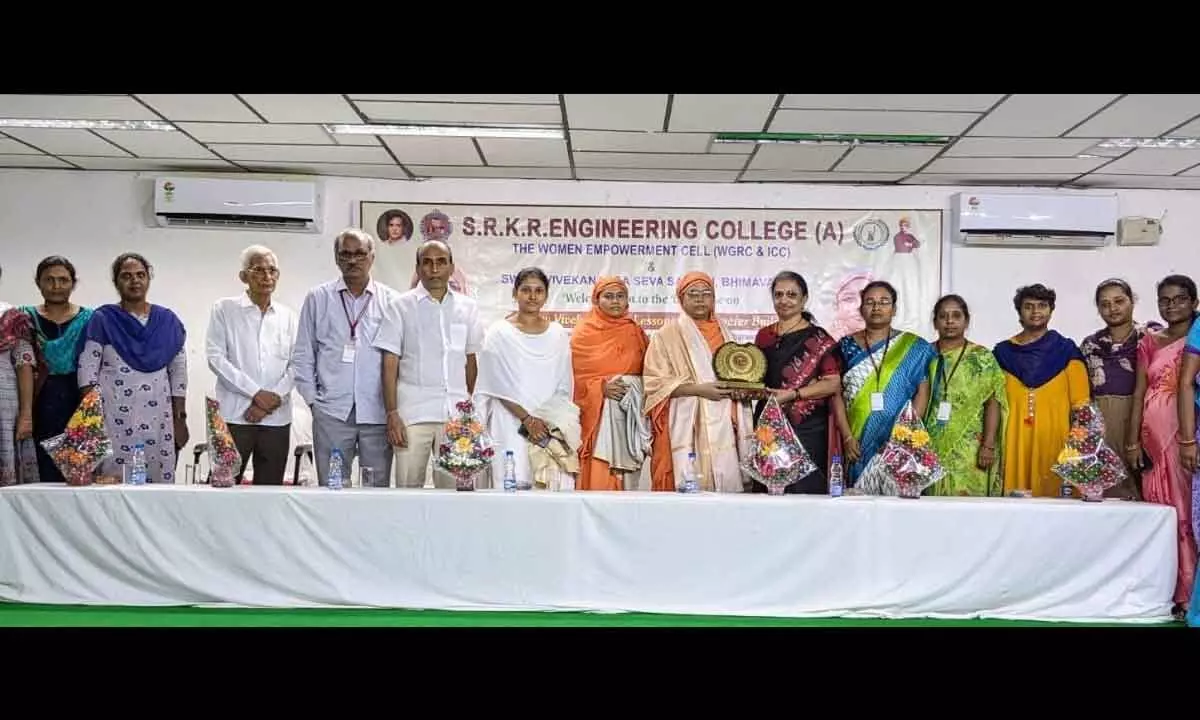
point(249, 348)
point(429, 339)
point(337, 368)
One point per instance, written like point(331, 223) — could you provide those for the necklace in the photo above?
point(779, 329)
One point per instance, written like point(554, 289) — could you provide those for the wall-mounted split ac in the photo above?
point(1019, 220)
point(237, 204)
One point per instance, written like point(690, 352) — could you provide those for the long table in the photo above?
point(791, 556)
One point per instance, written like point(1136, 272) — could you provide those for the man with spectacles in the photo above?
point(338, 369)
point(249, 348)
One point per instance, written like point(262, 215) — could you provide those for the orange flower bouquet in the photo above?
point(223, 457)
point(465, 449)
point(776, 458)
point(907, 462)
point(80, 449)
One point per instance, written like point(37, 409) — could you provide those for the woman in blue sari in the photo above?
point(882, 370)
point(58, 335)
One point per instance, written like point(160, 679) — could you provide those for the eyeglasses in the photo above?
point(261, 271)
point(349, 257)
point(1176, 300)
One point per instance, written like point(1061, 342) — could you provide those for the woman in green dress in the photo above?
point(967, 407)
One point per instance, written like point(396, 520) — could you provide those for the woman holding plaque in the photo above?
point(802, 374)
point(885, 369)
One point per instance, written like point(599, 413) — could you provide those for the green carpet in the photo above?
point(15, 615)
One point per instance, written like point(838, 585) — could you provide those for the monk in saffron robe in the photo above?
point(690, 412)
point(606, 345)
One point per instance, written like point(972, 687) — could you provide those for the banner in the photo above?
point(836, 251)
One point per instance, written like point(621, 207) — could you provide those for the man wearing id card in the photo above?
point(429, 338)
point(336, 365)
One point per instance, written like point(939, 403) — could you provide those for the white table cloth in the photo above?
point(792, 556)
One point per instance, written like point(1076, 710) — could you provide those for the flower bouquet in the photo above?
point(1086, 460)
point(465, 449)
point(224, 460)
point(84, 444)
point(776, 458)
point(906, 464)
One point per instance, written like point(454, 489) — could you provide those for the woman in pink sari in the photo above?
point(1155, 415)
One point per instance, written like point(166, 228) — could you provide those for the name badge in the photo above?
point(348, 354)
point(877, 402)
point(943, 412)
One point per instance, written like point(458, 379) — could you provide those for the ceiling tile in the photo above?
point(252, 133)
point(12, 147)
point(887, 159)
point(833, 177)
point(720, 113)
point(305, 154)
point(1192, 129)
point(213, 108)
point(808, 158)
point(461, 113)
point(1141, 116)
point(1191, 172)
point(524, 153)
point(1035, 166)
point(125, 163)
point(529, 173)
point(877, 122)
point(304, 108)
point(945, 103)
point(74, 107)
point(647, 175)
point(985, 179)
point(1039, 116)
point(152, 144)
point(356, 139)
point(1151, 182)
point(1153, 161)
point(1017, 147)
point(434, 150)
point(392, 172)
point(67, 142)
point(446, 98)
point(653, 142)
point(31, 161)
point(616, 112)
point(674, 161)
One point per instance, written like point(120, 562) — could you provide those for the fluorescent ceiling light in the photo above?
point(1180, 143)
point(829, 139)
point(546, 133)
point(88, 124)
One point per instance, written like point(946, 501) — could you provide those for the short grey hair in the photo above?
point(359, 234)
point(254, 252)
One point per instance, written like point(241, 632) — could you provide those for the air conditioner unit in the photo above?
point(235, 204)
point(1033, 221)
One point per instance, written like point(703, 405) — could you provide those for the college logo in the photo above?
point(871, 234)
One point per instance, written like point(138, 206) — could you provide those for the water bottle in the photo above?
point(510, 471)
point(836, 487)
point(337, 469)
point(137, 466)
point(691, 476)
point(1065, 490)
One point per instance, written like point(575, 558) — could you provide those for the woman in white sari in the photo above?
point(524, 391)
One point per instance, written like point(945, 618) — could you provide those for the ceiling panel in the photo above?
point(887, 159)
point(833, 177)
point(521, 152)
point(809, 158)
point(153, 144)
point(616, 112)
point(1141, 116)
point(67, 142)
point(74, 107)
point(881, 122)
point(1191, 172)
point(203, 108)
point(389, 172)
point(647, 175)
point(434, 151)
point(280, 108)
point(960, 103)
point(248, 133)
point(1153, 161)
point(126, 163)
point(652, 142)
point(674, 161)
point(720, 113)
point(1037, 166)
point(12, 147)
point(531, 173)
point(1017, 147)
point(306, 154)
point(1150, 182)
point(31, 161)
point(984, 179)
point(447, 113)
point(1040, 116)
point(1192, 129)
point(484, 99)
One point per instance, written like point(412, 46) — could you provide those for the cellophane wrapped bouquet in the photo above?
point(1086, 460)
point(224, 460)
point(465, 449)
point(84, 444)
point(906, 464)
point(776, 458)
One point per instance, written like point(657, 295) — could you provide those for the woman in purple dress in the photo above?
point(134, 352)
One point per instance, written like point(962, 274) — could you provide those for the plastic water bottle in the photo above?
point(510, 471)
point(691, 475)
point(137, 466)
point(836, 487)
point(1065, 490)
point(337, 469)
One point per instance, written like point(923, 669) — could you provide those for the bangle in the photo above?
point(795, 394)
point(1133, 446)
point(1186, 442)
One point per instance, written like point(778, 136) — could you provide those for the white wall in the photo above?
point(93, 217)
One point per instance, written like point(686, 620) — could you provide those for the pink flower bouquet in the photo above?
point(80, 449)
point(1086, 460)
point(465, 448)
point(906, 464)
point(776, 458)
point(224, 460)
